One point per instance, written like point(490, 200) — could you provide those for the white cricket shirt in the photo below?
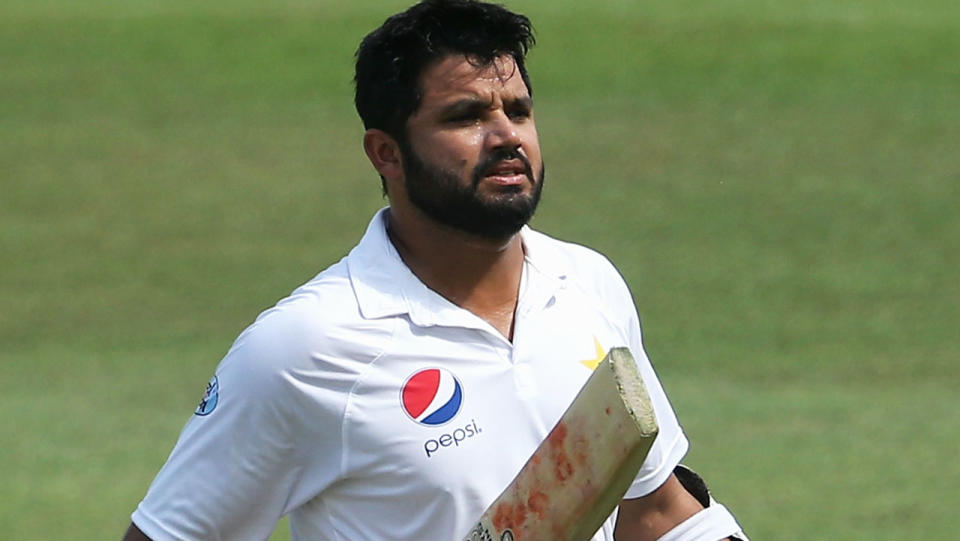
point(370, 408)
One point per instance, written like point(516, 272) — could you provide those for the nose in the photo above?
point(503, 132)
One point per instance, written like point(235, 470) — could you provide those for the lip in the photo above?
point(507, 173)
point(506, 180)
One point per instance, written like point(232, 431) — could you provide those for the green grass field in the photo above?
point(778, 182)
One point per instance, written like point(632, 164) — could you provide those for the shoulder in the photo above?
point(580, 265)
point(317, 329)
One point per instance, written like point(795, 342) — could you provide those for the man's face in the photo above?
point(472, 160)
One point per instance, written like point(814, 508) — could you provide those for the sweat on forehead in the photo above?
point(460, 68)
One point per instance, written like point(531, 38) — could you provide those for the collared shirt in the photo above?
point(369, 407)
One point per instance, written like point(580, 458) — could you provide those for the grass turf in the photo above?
point(777, 182)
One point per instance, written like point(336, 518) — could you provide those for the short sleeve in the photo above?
point(671, 444)
point(266, 439)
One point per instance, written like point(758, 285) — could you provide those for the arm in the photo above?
point(237, 467)
point(655, 514)
point(682, 509)
point(134, 534)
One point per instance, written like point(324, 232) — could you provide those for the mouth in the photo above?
point(508, 173)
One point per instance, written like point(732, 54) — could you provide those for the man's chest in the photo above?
point(454, 413)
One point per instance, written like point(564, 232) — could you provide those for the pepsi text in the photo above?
point(454, 438)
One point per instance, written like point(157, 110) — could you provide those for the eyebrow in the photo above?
point(464, 106)
point(473, 105)
point(525, 102)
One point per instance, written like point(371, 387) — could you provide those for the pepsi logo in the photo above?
point(431, 397)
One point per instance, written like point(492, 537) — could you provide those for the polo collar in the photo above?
point(384, 286)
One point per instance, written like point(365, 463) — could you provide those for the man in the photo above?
point(397, 393)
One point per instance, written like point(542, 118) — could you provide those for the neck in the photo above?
point(478, 274)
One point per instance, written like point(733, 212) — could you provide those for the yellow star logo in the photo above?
point(593, 363)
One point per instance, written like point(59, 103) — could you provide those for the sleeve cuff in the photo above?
point(652, 479)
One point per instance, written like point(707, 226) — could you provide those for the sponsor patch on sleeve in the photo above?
point(210, 398)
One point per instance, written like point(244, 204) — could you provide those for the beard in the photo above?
point(441, 196)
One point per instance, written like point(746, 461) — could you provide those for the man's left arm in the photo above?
point(680, 508)
point(651, 516)
point(677, 511)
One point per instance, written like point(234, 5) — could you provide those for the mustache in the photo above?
point(497, 156)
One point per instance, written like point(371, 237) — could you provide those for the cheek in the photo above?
point(450, 151)
point(463, 151)
point(528, 132)
point(473, 141)
point(532, 146)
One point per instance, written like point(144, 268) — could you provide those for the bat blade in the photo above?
point(579, 473)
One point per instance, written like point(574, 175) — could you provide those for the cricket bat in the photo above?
point(576, 477)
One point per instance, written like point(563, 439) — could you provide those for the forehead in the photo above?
point(456, 75)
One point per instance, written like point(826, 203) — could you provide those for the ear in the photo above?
point(384, 153)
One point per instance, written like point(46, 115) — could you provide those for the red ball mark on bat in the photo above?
point(563, 468)
point(503, 516)
point(607, 410)
point(519, 516)
point(580, 451)
point(537, 502)
point(510, 517)
point(558, 435)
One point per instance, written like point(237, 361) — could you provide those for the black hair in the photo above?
point(391, 59)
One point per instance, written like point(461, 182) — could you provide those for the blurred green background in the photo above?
point(776, 180)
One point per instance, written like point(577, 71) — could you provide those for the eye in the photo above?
point(462, 118)
point(520, 113)
point(463, 114)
